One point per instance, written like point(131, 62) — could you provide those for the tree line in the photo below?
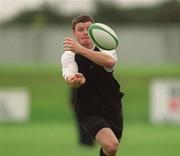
point(165, 12)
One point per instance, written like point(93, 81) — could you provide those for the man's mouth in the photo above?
point(85, 38)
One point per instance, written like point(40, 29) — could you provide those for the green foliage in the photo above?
point(38, 17)
point(165, 12)
point(168, 11)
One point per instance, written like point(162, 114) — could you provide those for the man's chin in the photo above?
point(87, 42)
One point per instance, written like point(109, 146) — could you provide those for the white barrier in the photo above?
point(14, 105)
point(155, 44)
point(165, 101)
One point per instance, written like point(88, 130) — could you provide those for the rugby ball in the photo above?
point(103, 36)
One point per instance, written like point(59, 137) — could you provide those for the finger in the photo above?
point(80, 80)
point(70, 79)
point(74, 82)
point(67, 45)
point(67, 49)
point(79, 75)
point(68, 40)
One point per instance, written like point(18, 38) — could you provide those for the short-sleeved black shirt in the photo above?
point(101, 92)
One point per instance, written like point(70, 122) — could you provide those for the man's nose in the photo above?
point(86, 31)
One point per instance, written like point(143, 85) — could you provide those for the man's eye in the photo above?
point(80, 29)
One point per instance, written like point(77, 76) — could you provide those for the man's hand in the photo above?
point(72, 45)
point(76, 80)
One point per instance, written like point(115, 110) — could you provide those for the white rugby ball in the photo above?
point(103, 36)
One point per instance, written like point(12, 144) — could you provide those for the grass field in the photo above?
point(52, 131)
point(58, 139)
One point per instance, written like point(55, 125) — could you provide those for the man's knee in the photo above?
point(111, 147)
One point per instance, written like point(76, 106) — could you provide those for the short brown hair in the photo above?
point(81, 18)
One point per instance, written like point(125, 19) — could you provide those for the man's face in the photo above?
point(81, 34)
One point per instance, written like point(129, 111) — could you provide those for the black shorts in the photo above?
point(94, 123)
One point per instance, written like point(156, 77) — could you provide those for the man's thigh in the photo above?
point(93, 124)
point(105, 137)
point(115, 121)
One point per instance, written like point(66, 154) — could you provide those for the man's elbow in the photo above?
point(110, 63)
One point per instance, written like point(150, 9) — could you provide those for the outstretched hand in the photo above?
point(76, 80)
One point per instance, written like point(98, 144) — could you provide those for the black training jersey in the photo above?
point(101, 92)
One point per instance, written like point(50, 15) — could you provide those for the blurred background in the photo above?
point(36, 117)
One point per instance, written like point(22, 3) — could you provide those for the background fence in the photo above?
point(155, 44)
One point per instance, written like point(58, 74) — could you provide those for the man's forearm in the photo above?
point(99, 58)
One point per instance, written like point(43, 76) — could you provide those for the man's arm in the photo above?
point(102, 59)
point(70, 70)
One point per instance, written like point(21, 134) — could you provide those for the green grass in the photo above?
point(51, 130)
point(58, 139)
point(49, 93)
point(50, 97)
